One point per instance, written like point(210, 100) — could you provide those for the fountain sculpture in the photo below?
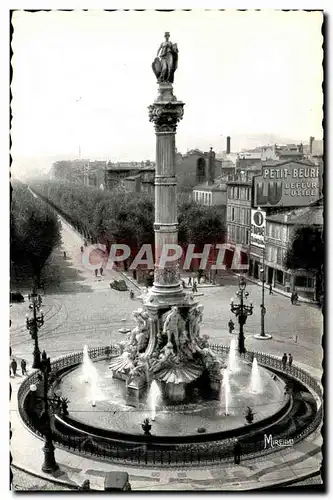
point(167, 334)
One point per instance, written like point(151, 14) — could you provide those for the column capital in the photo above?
point(166, 115)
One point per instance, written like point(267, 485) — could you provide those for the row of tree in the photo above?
point(34, 233)
point(118, 217)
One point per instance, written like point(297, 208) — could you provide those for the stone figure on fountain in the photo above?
point(140, 334)
point(173, 325)
point(166, 62)
point(195, 319)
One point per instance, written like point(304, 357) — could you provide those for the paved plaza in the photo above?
point(81, 309)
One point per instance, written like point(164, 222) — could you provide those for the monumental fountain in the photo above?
point(166, 346)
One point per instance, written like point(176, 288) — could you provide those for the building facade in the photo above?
point(239, 199)
point(210, 194)
point(280, 228)
point(193, 168)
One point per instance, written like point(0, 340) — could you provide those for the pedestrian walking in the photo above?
point(131, 294)
point(194, 288)
point(231, 326)
point(295, 298)
point(101, 271)
point(189, 281)
point(270, 289)
point(81, 249)
point(292, 297)
point(290, 360)
point(13, 366)
point(183, 283)
point(65, 255)
point(96, 273)
point(24, 367)
point(237, 452)
point(284, 360)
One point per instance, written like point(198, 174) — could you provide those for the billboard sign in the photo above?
point(289, 184)
point(258, 227)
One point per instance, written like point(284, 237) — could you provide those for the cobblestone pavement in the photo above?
point(82, 309)
point(22, 481)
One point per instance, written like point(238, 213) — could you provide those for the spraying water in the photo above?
point(89, 374)
point(233, 364)
point(255, 382)
point(227, 392)
point(153, 398)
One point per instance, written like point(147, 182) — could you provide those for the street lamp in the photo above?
point(34, 323)
point(263, 308)
point(241, 311)
point(262, 335)
point(49, 465)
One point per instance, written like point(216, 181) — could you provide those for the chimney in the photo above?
point(311, 142)
point(211, 166)
point(228, 145)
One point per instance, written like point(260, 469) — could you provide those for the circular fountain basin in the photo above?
point(112, 413)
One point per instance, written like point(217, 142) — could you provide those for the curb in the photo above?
point(49, 479)
point(292, 481)
point(276, 290)
point(129, 279)
point(59, 482)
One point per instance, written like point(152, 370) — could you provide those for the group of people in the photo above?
point(13, 367)
point(286, 359)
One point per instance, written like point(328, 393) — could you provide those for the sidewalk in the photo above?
point(281, 467)
point(276, 290)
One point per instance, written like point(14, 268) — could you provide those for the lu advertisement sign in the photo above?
point(258, 227)
point(290, 184)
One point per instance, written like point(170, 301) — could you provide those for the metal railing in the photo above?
point(186, 454)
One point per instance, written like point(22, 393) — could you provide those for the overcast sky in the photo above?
point(85, 78)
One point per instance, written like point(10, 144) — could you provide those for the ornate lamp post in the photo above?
point(241, 311)
point(49, 465)
point(263, 335)
point(34, 323)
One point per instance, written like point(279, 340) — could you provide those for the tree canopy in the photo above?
point(306, 251)
point(35, 231)
point(128, 218)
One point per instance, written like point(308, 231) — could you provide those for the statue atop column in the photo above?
point(166, 62)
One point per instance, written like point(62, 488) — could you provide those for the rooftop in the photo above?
point(307, 216)
point(219, 185)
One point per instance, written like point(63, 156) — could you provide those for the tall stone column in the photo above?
point(165, 113)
